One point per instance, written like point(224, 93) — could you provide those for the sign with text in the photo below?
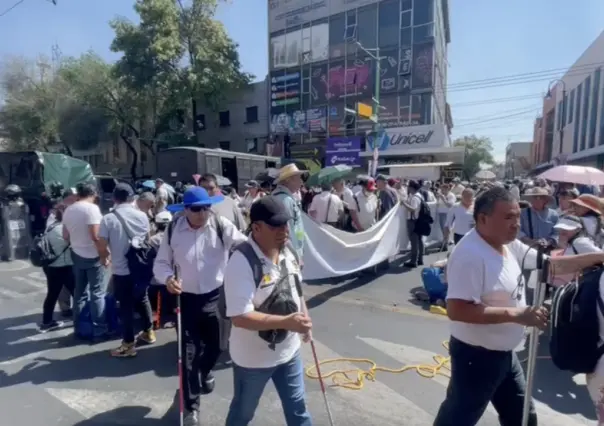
point(345, 158)
point(343, 150)
point(401, 139)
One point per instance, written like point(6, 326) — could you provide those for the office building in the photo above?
point(572, 129)
point(518, 157)
point(325, 57)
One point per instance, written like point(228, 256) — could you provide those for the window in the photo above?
point(407, 5)
point(367, 26)
point(577, 118)
point(559, 115)
point(593, 115)
point(421, 108)
point(224, 118)
point(406, 37)
point(404, 110)
point(571, 106)
point(350, 31)
point(337, 27)
point(389, 23)
point(585, 114)
point(423, 33)
point(406, 19)
point(251, 114)
point(423, 12)
point(226, 145)
point(564, 109)
point(306, 49)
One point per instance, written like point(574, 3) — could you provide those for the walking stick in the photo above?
point(543, 267)
point(318, 367)
point(181, 404)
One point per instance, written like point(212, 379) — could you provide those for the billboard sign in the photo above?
point(343, 150)
point(283, 14)
point(346, 158)
point(405, 138)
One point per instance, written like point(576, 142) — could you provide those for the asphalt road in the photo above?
point(47, 379)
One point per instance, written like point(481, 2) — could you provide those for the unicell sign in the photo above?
point(404, 138)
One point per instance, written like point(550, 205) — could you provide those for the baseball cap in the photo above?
point(122, 192)
point(370, 185)
point(269, 210)
point(252, 184)
point(569, 223)
point(163, 217)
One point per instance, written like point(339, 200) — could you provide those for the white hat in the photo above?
point(288, 171)
point(163, 217)
point(569, 223)
point(537, 191)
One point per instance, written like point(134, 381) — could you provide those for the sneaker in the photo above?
point(208, 383)
point(54, 325)
point(126, 350)
point(191, 418)
point(146, 337)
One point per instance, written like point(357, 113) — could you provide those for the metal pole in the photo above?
point(534, 338)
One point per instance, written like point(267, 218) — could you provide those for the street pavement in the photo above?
point(49, 379)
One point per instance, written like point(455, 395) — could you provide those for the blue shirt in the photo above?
point(543, 224)
point(296, 227)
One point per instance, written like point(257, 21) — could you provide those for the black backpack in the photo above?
point(424, 221)
point(41, 253)
point(575, 333)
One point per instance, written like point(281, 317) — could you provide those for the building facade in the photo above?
point(573, 131)
point(518, 159)
point(240, 125)
point(326, 56)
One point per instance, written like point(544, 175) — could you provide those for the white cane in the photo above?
point(543, 267)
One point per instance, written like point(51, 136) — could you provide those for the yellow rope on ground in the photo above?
point(355, 378)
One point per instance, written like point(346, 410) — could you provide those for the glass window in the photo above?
point(251, 114)
point(225, 118)
point(351, 17)
point(423, 33)
point(406, 37)
point(367, 28)
point(423, 12)
point(389, 23)
point(593, 115)
point(406, 19)
point(406, 4)
point(571, 106)
point(585, 112)
point(421, 108)
point(337, 27)
point(577, 118)
point(306, 40)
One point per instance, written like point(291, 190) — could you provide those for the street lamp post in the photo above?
point(562, 111)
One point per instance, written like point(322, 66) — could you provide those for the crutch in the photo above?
point(543, 265)
point(181, 400)
point(318, 367)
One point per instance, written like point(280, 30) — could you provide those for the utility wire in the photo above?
point(6, 11)
point(497, 100)
point(497, 114)
point(528, 111)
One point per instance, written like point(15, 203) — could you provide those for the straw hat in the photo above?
point(537, 191)
point(288, 171)
point(590, 202)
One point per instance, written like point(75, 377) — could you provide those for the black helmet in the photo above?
point(13, 190)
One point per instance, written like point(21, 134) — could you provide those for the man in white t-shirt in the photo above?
point(326, 207)
point(365, 206)
point(256, 361)
point(487, 307)
point(81, 223)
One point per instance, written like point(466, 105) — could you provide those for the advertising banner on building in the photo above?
point(285, 91)
point(401, 139)
point(298, 122)
point(343, 150)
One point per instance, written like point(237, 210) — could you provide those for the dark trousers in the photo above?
point(417, 243)
point(480, 376)
point(56, 278)
point(457, 238)
point(131, 300)
point(200, 334)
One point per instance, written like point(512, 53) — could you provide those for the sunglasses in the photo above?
point(197, 209)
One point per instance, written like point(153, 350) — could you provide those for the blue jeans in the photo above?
point(249, 383)
point(480, 376)
point(90, 285)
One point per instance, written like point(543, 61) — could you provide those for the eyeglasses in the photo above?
point(197, 209)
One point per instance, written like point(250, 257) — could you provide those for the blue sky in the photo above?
point(489, 38)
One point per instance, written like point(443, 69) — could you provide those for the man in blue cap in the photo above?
point(191, 261)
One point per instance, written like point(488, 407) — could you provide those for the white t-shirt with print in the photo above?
point(77, 218)
point(320, 204)
point(246, 347)
point(476, 272)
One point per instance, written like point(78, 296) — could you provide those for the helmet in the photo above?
point(13, 190)
point(163, 217)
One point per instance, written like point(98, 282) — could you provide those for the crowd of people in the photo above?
point(227, 257)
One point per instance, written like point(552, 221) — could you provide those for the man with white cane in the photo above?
point(263, 297)
point(487, 306)
point(197, 245)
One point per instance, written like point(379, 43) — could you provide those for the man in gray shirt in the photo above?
point(228, 208)
point(124, 226)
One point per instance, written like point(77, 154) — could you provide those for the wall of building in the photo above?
point(518, 159)
point(246, 129)
point(580, 107)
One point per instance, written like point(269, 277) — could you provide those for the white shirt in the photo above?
point(591, 227)
point(76, 219)
point(246, 348)
point(476, 272)
point(457, 189)
point(581, 245)
point(321, 202)
point(402, 193)
point(415, 201)
point(450, 198)
point(198, 253)
point(460, 220)
point(431, 197)
point(515, 192)
point(347, 196)
point(366, 209)
point(247, 200)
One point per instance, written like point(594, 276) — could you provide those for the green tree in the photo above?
point(176, 56)
point(478, 151)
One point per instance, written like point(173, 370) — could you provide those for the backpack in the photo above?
point(433, 284)
point(575, 335)
point(424, 221)
point(41, 253)
point(140, 257)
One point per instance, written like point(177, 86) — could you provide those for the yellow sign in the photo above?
point(364, 110)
